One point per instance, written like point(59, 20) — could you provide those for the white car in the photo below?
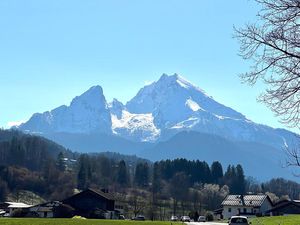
point(201, 219)
point(174, 218)
point(239, 220)
point(185, 219)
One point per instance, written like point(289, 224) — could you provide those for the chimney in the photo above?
point(104, 190)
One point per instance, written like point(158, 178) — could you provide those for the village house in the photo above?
point(44, 210)
point(245, 205)
point(93, 204)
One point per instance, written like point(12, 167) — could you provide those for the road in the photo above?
point(206, 223)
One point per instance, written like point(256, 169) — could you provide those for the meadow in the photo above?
point(277, 220)
point(29, 221)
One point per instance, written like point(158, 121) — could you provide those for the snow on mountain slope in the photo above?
point(87, 113)
point(192, 105)
point(172, 99)
point(136, 127)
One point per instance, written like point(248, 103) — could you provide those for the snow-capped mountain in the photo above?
point(173, 99)
point(177, 105)
point(158, 111)
point(87, 113)
point(167, 119)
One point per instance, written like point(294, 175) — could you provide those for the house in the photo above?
point(11, 207)
point(246, 205)
point(93, 204)
point(44, 210)
point(286, 207)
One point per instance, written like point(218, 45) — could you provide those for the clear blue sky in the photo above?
point(51, 51)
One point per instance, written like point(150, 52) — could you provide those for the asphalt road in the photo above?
point(206, 223)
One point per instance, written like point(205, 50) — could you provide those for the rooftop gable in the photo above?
point(93, 192)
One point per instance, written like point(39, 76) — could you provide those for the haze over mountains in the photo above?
point(169, 118)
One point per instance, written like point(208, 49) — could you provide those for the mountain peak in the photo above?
point(178, 80)
point(165, 77)
point(92, 96)
point(116, 107)
point(94, 90)
point(87, 113)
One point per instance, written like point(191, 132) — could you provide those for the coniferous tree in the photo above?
point(216, 172)
point(84, 172)
point(61, 165)
point(142, 174)
point(122, 174)
point(240, 184)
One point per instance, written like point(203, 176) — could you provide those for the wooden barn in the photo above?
point(93, 204)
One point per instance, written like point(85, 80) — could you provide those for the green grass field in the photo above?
point(27, 221)
point(277, 220)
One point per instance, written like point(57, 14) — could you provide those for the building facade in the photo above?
point(245, 205)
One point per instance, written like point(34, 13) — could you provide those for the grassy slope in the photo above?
point(277, 220)
point(26, 221)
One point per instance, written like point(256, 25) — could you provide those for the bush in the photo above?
point(209, 216)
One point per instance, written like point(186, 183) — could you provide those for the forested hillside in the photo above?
point(41, 167)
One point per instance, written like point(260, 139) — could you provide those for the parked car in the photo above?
point(185, 219)
point(121, 217)
point(139, 217)
point(174, 218)
point(239, 220)
point(201, 219)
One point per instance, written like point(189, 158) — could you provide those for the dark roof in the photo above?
point(218, 211)
point(245, 200)
point(284, 204)
point(108, 196)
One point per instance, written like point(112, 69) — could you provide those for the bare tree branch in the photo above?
point(273, 45)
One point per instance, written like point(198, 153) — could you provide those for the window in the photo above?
point(245, 210)
point(229, 209)
point(239, 220)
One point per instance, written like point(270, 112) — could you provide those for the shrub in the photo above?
point(209, 216)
